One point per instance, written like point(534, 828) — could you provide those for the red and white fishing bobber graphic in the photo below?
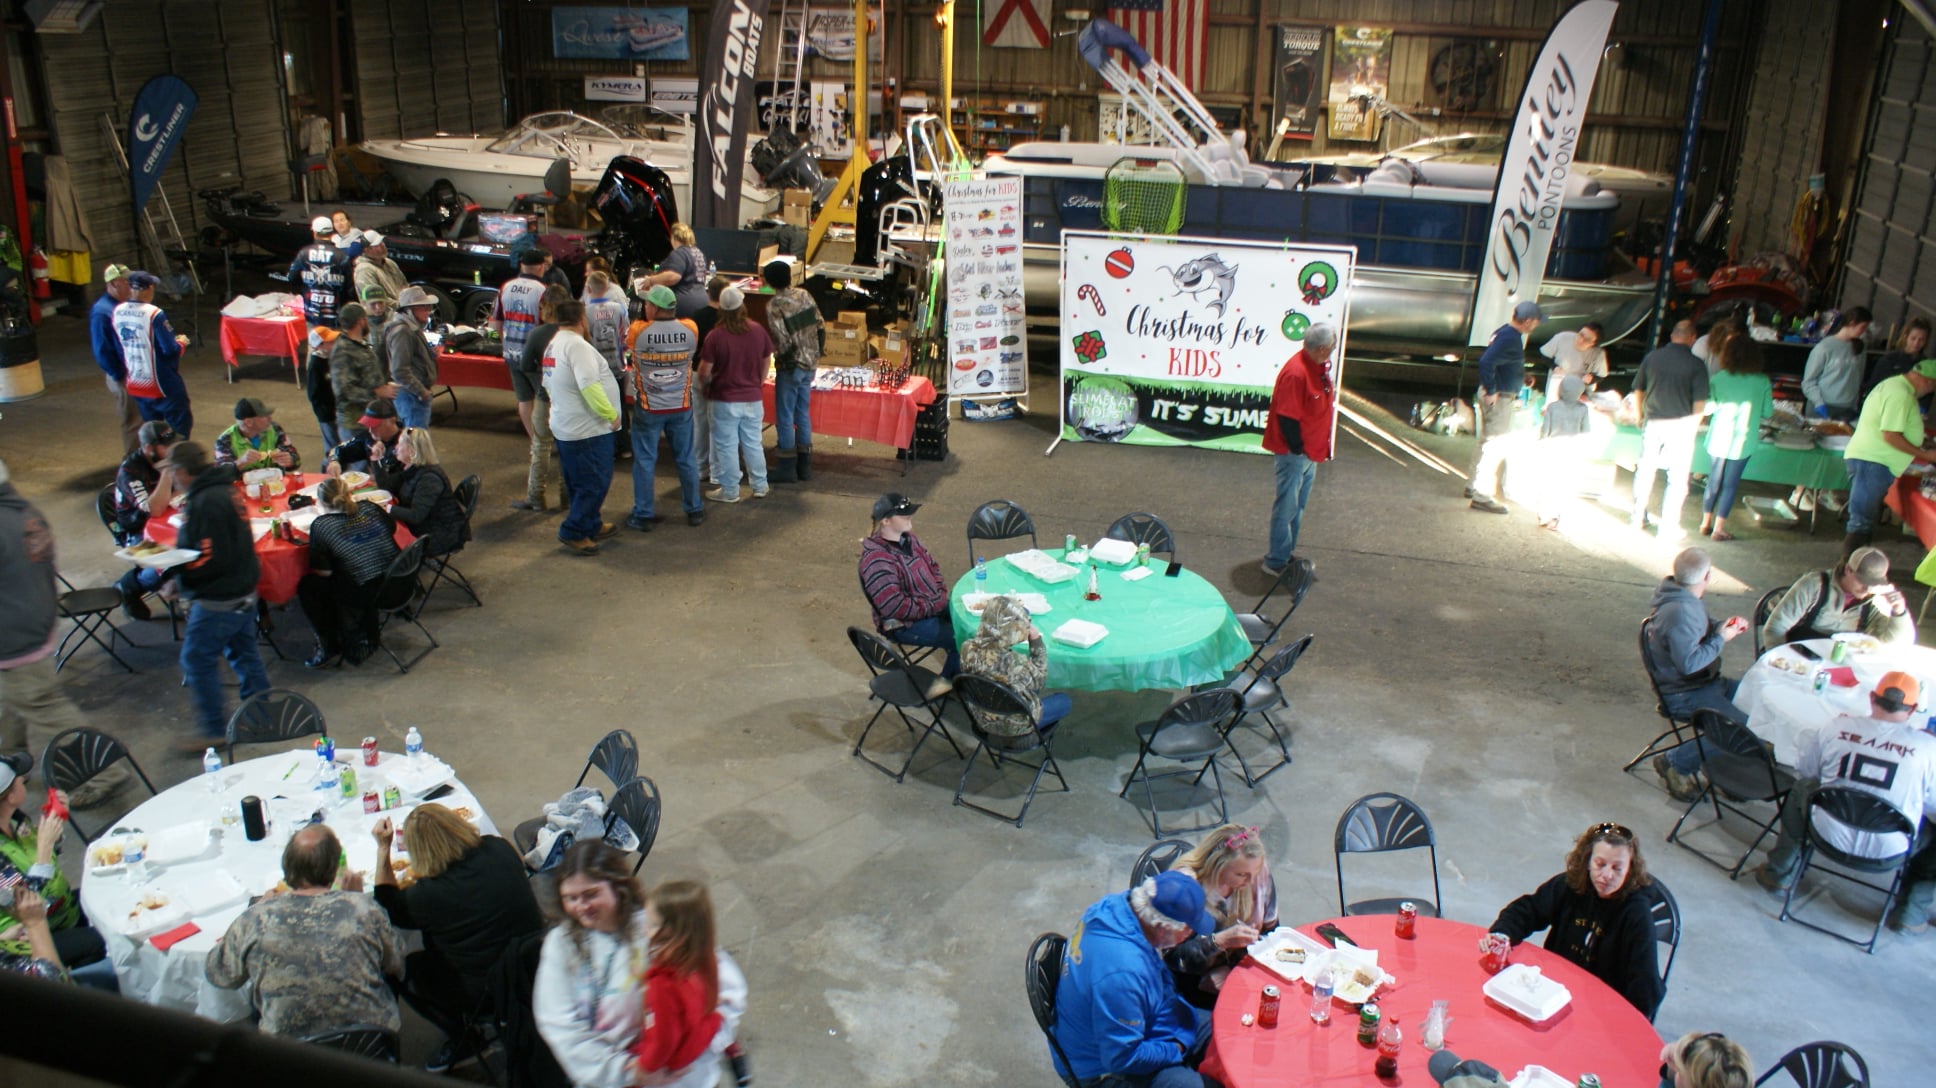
point(1088, 293)
point(1119, 264)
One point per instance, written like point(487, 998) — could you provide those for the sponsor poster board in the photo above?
point(1177, 341)
point(614, 89)
point(1298, 89)
point(637, 34)
point(987, 335)
point(675, 95)
point(1360, 65)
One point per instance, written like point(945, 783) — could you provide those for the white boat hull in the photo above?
point(497, 180)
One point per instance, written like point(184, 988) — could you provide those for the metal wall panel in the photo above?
point(424, 67)
point(1781, 136)
point(1890, 265)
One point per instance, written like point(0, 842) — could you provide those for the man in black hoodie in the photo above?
point(220, 586)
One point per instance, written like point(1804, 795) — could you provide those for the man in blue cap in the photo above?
point(1119, 1019)
point(1502, 374)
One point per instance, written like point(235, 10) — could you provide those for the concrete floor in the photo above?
point(1476, 664)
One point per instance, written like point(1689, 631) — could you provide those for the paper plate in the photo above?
point(161, 560)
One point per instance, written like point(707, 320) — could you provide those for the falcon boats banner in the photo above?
point(161, 113)
point(1537, 164)
point(1177, 341)
point(726, 110)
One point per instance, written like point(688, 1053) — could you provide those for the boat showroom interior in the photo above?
point(1295, 619)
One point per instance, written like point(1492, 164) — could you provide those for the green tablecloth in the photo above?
point(1770, 464)
point(1164, 633)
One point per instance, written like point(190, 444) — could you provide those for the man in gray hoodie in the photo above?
point(1683, 654)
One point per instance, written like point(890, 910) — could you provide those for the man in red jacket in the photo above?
point(1302, 406)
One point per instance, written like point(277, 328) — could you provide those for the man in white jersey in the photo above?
point(151, 356)
point(514, 316)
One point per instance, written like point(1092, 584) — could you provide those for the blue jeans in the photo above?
point(213, 634)
point(1718, 695)
point(174, 410)
point(332, 434)
point(936, 631)
point(1723, 479)
point(1294, 475)
point(1868, 483)
point(677, 427)
point(412, 411)
point(792, 394)
point(736, 433)
point(1055, 707)
point(586, 465)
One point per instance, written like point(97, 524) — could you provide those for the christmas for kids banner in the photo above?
point(1170, 341)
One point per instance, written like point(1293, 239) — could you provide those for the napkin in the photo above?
point(1137, 574)
point(1841, 676)
point(175, 936)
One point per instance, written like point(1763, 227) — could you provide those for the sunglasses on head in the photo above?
point(1616, 830)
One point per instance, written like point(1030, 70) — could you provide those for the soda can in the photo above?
point(1407, 924)
point(1498, 950)
point(1267, 1006)
point(1839, 652)
point(369, 751)
point(392, 797)
point(1821, 679)
point(371, 802)
point(348, 782)
point(1368, 1024)
point(1142, 555)
point(1588, 1080)
point(1068, 543)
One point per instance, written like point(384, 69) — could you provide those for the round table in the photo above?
point(1598, 1032)
point(1163, 632)
point(283, 563)
point(1782, 704)
point(174, 978)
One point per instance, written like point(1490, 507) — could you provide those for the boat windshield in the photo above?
point(552, 135)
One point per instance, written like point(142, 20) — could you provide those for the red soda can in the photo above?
point(369, 751)
point(1407, 924)
point(371, 802)
point(1267, 1003)
point(1498, 948)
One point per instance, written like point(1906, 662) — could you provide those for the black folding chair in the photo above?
point(1671, 737)
point(636, 803)
point(1764, 608)
point(1190, 729)
point(104, 509)
point(377, 1044)
point(998, 520)
point(439, 564)
point(1158, 857)
point(73, 759)
point(1666, 912)
point(1260, 691)
point(1380, 823)
point(1862, 813)
point(272, 716)
point(91, 610)
point(1738, 769)
point(1041, 974)
point(1295, 580)
point(1141, 528)
point(983, 695)
point(1821, 1065)
point(401, 597)
point(616, 755)
point(897, 683)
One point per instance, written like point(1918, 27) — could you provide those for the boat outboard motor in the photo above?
point(635, 201)
point(443, 211)
point(783, 161)
point(882, 184)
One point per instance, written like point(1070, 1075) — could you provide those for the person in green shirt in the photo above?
point(1888, 439)
point(255, 441)
point(1741, 397)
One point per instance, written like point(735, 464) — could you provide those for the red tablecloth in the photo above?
point(472, 371)
point(283, 563)
point(1599, 1032)
point(872, 415)
point(1906, 499)
point(278, 337)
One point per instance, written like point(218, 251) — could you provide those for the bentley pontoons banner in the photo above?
point(725, 110)
point(1538, 161)
point(161, 113)
point(1177, 341)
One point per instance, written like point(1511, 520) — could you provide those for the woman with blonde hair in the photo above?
point(470, 898)
point(684, 270)
point(350, 549)
point(426, 502)
point(1240, 894)
point(1597, 914)
point(1705, 1059)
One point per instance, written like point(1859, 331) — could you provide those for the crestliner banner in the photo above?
point(1299, 90)
point(1177, 341)
point(1360, 67)
point(725, 110)
point(987, 340)
point(1538, 160)
point(161, 113)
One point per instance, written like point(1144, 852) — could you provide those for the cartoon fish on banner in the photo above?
point(1203, 275)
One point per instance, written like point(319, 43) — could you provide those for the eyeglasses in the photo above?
point(1618, 830)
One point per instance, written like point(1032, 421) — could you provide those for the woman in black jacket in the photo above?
point(426, 502)
point(1597, 914)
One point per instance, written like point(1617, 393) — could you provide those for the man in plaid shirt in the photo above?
point(794, 320)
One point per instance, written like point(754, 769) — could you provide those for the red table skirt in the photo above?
point(472, 371)
point(283, 562)
point(872, 415)
point(1599, 1032)
point(277, 337)
point(1906, 499)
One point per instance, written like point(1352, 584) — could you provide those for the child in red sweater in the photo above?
point(682, 982)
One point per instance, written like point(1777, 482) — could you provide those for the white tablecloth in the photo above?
point(1782, 704)
point(174, 979)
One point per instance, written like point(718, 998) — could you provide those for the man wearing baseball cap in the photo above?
point(1853, 595)
point(142, 491)
point(151, 356)
point(1502, 374)
point(324, 274)
point(255, 441)
point(379, 281)
point(1885, 754)
point(903, 583)
point(1889, 437)
point(1117, 1012)
point(662, 350)
point(375, 450)
point(107, 350)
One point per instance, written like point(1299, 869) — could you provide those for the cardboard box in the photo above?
point(796, 207)
point(846, 340)
point(892, 345)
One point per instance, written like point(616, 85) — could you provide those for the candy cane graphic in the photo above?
point(1088, 291)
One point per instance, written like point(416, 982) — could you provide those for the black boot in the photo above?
point(805, 469)
point(781, 471)
point(132, 606)
point(1854, 541)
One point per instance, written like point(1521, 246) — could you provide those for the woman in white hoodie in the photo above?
point(588, 997)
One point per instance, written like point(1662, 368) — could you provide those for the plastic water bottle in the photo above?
point(212, 770)
point(413, 742)
point(981, 575)
point(1321, 990)
point(329, 779)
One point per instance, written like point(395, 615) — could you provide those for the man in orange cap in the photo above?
point(1884, 754)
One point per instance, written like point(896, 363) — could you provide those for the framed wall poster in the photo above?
point(1298, 81)
point(1360, 66)
point(1177, 341)
point(634, 34)
point(987, 339)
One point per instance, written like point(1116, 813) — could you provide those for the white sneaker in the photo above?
point(1807, 503)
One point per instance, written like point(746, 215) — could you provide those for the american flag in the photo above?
point(1176, 33)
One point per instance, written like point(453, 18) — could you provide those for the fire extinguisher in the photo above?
point(43, 284)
